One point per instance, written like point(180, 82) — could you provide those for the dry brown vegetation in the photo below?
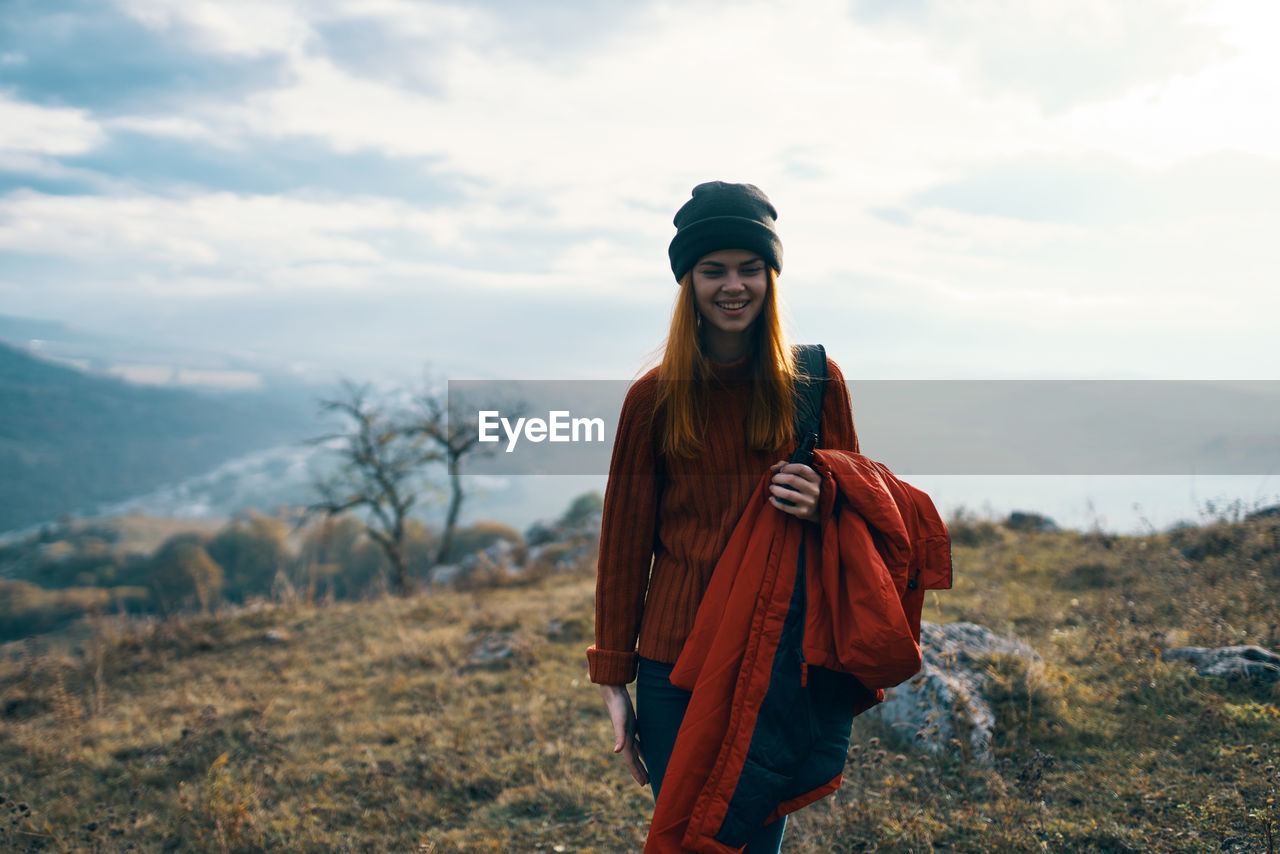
point(136, 564)
point(463, 720)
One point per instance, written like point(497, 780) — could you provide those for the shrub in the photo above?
point(183, 575)
point(584, 506)
point(1087, 576)
point(337, 558)
point(967, 529)
point(250, 551)
point(26, 609)
point(1024, 520)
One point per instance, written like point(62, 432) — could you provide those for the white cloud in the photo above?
point(172, 127)
point(236, 27)
point(49, 168)
point(1061, 52)
point(1228, 106)
point(225, 244)
point(692, 94)
point(569, 172)
point(248, 238)
point(692, 91)
point(49, 131)
point(413, 19)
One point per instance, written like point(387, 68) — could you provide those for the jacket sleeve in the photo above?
point(627, 534)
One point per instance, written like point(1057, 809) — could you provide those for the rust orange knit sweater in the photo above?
point(667, 519)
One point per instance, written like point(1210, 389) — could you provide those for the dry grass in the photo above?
point(397, 725)
point(463, 720)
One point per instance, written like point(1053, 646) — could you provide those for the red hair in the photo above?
point(685, 372)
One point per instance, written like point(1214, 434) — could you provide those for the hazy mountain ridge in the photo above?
point(71, 440)
point(150, 360)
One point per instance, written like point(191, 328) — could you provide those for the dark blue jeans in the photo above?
point(659, 710)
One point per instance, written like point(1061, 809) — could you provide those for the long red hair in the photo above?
point(685, 372)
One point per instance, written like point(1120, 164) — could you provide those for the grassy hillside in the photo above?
point(69, 440)
point(463, 721)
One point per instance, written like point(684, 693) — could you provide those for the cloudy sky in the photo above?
point(985, 189)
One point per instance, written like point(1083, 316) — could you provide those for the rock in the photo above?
point(492, 554)
point(546, 532)
point(560, 556)
point(945, 699)
point(489, 650)
point(1238, 662)
point(561, 547)
point(444, 573)
point(495, 555)
point(549, 546)
point(274, 636)
point(589, 526)
point(496, 649)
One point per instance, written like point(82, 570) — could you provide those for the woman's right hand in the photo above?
point(623, 716)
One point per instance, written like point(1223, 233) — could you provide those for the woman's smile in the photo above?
point(729, 288)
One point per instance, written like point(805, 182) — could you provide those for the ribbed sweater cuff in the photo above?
point(610, 667)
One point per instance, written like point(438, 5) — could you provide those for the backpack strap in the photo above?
point(810, 387)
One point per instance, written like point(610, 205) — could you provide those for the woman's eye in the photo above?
point(753, 271)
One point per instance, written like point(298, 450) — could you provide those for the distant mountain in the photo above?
point(142, 359)
point(282, 475)
point(71, 440)
point(20, 329)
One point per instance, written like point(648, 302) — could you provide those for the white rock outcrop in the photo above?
point(1238, 662)
point(945, 699)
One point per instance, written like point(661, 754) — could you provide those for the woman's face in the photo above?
point(729, 288)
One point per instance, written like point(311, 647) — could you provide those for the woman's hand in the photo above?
point(799, 484)
point(618, 702)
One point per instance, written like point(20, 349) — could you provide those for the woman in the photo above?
point(694, 438)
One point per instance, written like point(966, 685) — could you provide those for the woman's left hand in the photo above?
point(799, 484)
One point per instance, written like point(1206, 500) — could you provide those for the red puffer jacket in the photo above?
point(796, 635)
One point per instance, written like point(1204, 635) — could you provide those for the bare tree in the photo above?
point(383, 457)
point(452, 426)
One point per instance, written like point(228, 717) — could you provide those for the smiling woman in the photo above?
point(696, 436)
point(729, 287)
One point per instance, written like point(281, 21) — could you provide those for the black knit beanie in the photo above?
point(724, 216)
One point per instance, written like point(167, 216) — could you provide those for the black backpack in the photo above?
point(811, 386)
